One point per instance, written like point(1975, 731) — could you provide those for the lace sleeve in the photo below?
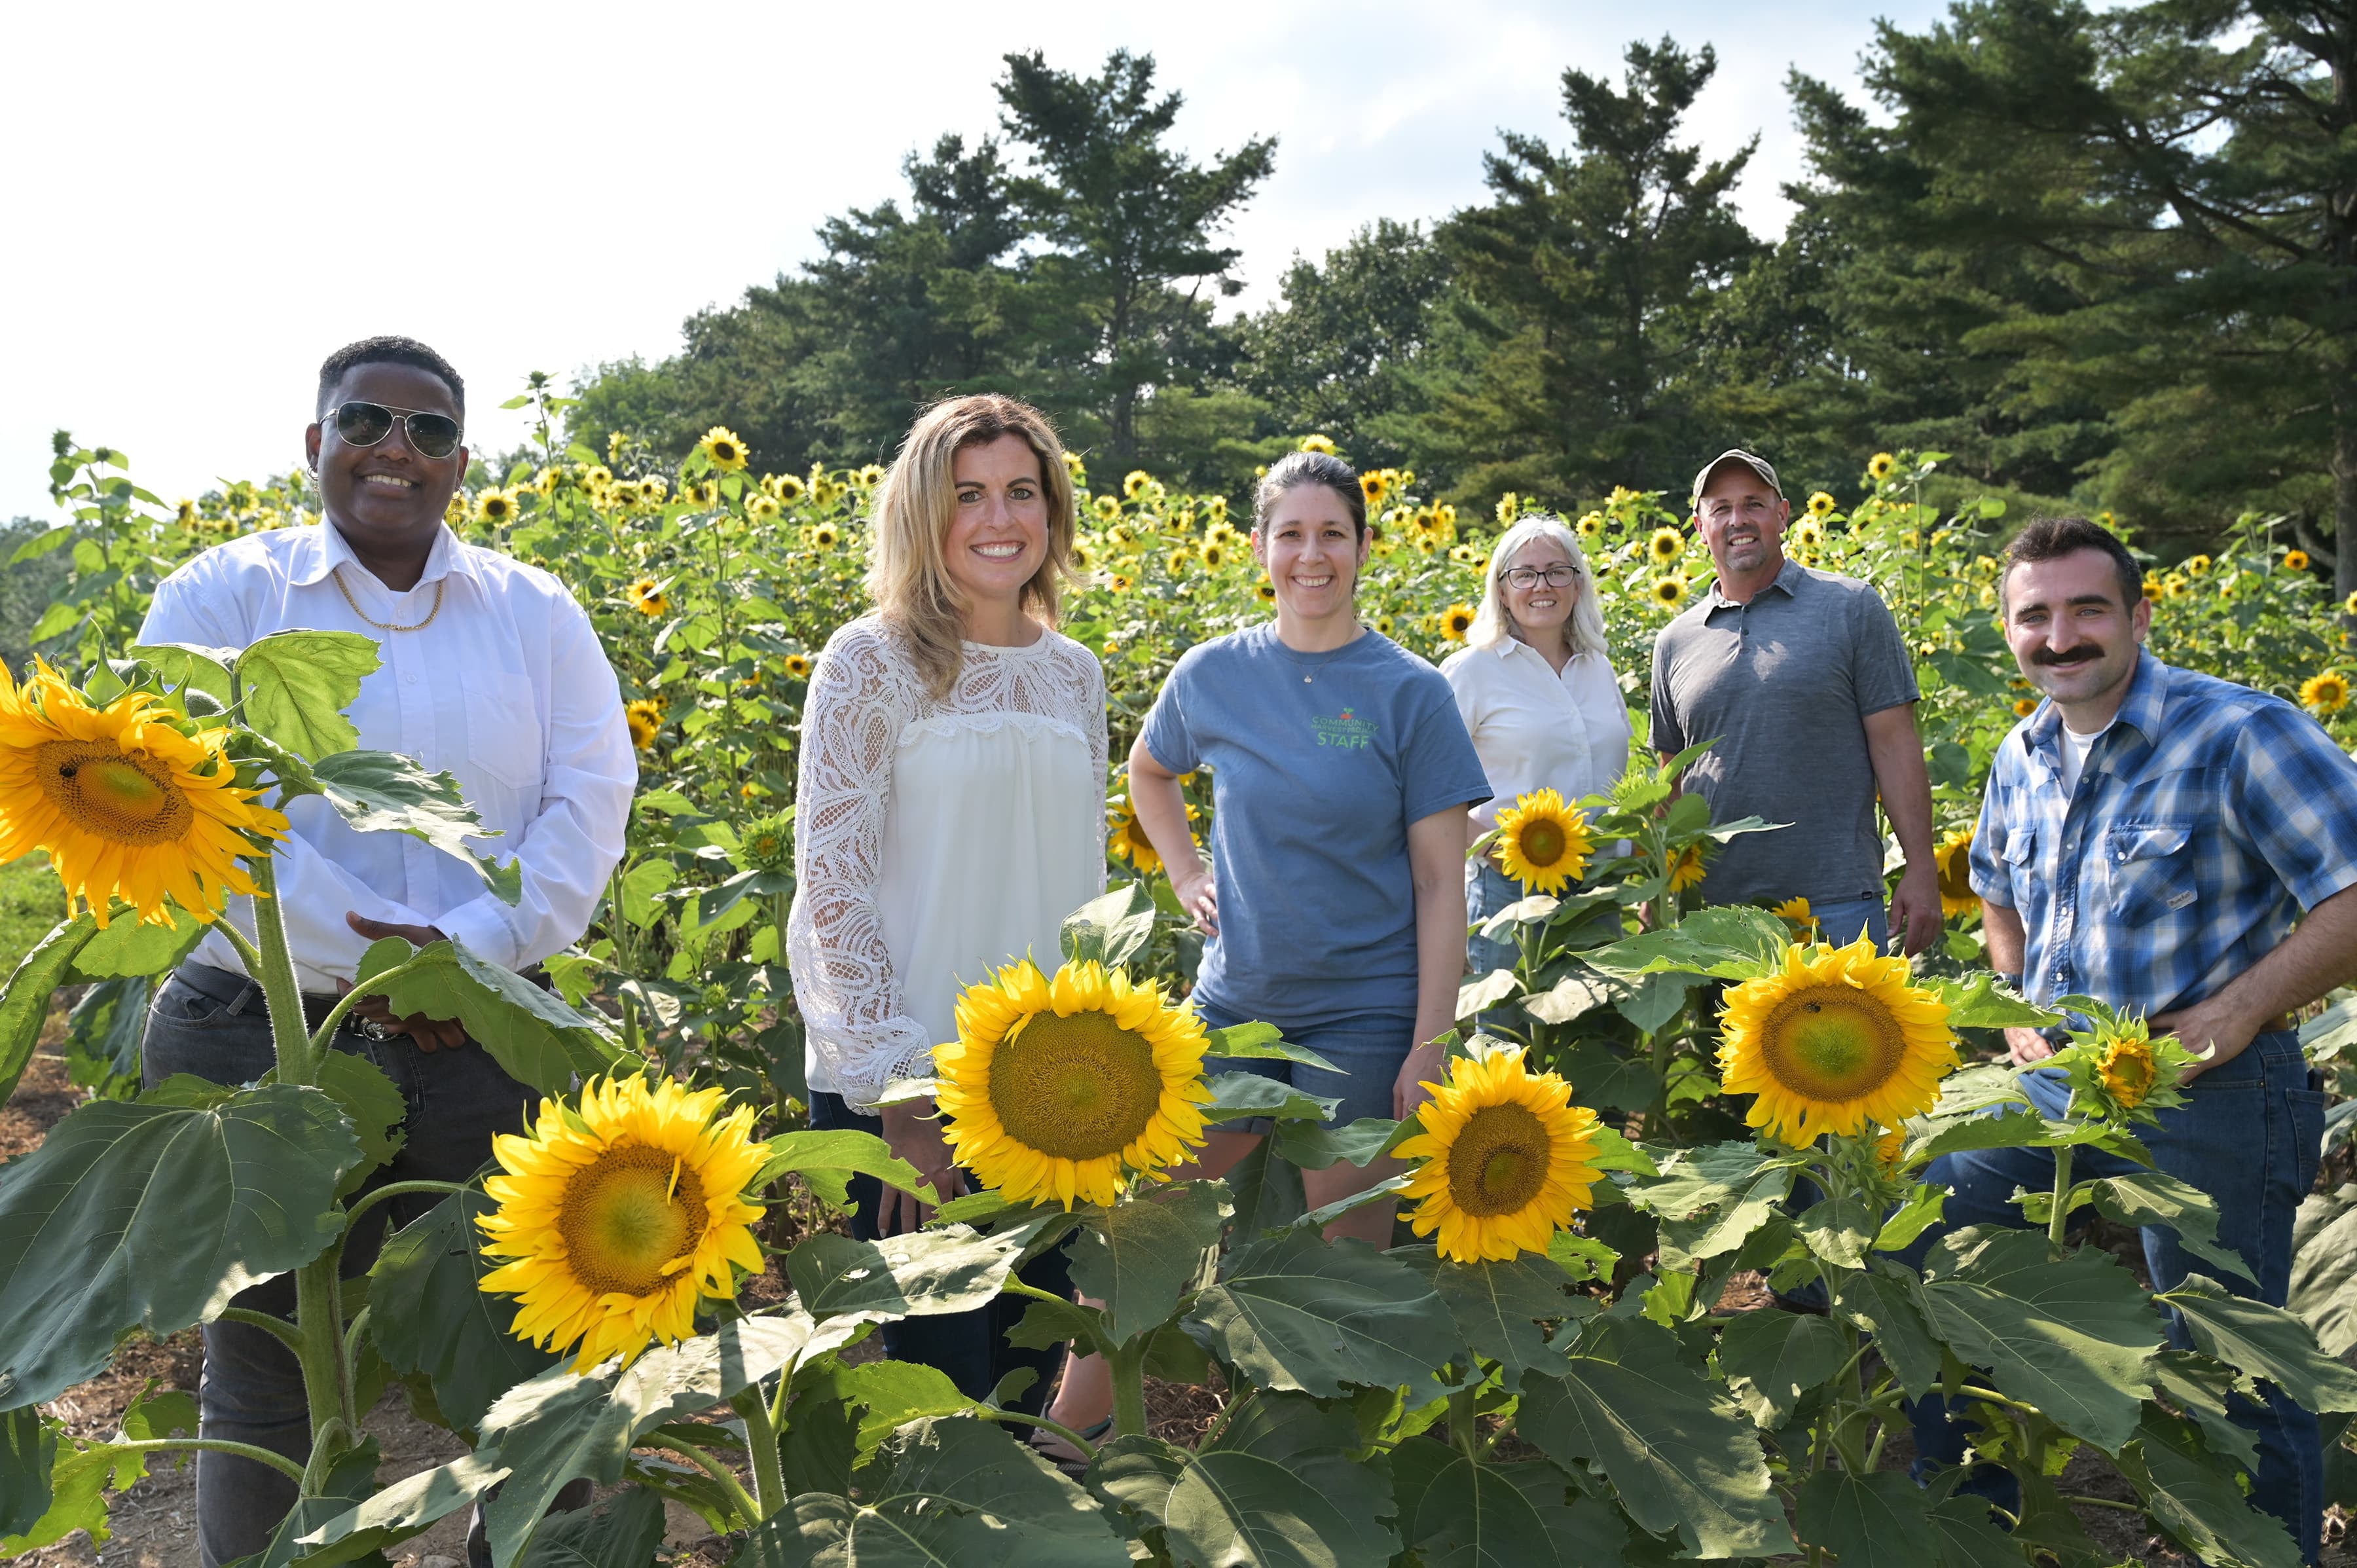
point(1092, 724)
point(861, 695)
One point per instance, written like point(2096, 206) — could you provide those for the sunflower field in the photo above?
point(1551, 1364)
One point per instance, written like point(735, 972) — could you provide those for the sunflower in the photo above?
point(1456, 621)
point(1889, 1149)
point(1670, 592)
point(763, 509)
point(1507, 1159)
point(2325, 693)
point(185, 514)
point(653, 489)
point(790, 490)
point(1954, 858)
point(546, 481)
point(596, 477)
point(1880, 467)
point(1134, 483)
point(1685, 868)
point(648, 598)
point(1053, 1087)
point(1592, 525)
point(870, 475)
point(1383, 624)
point(1178, 561)
point(1795, 913)
point(2124, 1066)
point(1541, 842)
point(458, 509)
point(1318, 444)
point(1119, 584)
point(645, 718)
point(703, 493)
point(767, 843)
point(2197, 565)
point(1126, 839)
point(2174, 585)
point(1821, 505)
point(1667, 544)
point(1836, 1037)
point(1267, 591)
point(798, 665)
point(1809, 535)
point(1509, 509)
point(495, 506)
point(125, 805)
point(2295, 560)
point(2024, 706)
point(722, 446)
point(616, 1216)
point(1374, 488)
point(824, 536)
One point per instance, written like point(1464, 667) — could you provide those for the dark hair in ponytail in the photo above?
point(1298, 469)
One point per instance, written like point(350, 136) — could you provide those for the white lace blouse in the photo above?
point(934, 841)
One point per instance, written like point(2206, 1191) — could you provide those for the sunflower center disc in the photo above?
point(1956, 876)
point(1499, 1161)
point(1830, 1042)
point(1077, 1087)
point(112, 795)
point(1541, 844)
point(623, 1218)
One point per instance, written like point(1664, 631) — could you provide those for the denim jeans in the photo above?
point(2249, 1136)
point(1844, 921)
point(969, 1348)
point(1487, 891)
point(210, 1022)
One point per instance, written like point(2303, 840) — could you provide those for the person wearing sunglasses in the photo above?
point(489, 669)
point(1538, 696)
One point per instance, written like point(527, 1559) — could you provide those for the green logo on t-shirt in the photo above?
point(1344, 729)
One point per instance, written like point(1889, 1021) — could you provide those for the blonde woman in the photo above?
point(1537, 693)
point(950, 810)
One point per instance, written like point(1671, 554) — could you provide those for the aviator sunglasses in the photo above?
point(366, 423)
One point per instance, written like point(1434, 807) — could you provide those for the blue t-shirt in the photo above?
point(1320, 761)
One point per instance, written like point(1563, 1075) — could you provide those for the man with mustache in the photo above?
point(1803, 679)
point(2151, 837)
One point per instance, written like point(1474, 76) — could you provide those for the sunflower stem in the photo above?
point(276, 1461)
point(1462, 1428)
point(738, 1497)
point(2056, 1221)
point(1129, 1388)
point(271, 964)
point(330, 1439)
point(761, 1439)
point(268, 1323)
point(352, 999)
point(375, 1196)
point(319, 1341)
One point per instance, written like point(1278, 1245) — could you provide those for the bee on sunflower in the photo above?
point(126, 804)
point(619, 1214)
point(1954, 859)
point(1830, 1038)
point(1055, 1087)
point(1507, 1160)
point(1541, 842)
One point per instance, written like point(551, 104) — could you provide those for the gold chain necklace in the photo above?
point(337, 574)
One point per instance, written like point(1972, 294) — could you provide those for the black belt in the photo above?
point(239, 994)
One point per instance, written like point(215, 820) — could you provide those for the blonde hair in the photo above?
point(907, 573)
point(1494, 623)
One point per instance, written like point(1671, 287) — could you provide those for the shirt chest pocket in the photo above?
point(2019, 853)
point(2150, 868)
point(504, 727)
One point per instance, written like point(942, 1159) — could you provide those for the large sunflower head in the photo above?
point(617, 1214)
point(1541, 842)
point(1954, 859)
point(721, 445)
point(123, 803)
point(1508, 1159)
point(2325, 693)
point(1054, 1087)
point(1832, 1038)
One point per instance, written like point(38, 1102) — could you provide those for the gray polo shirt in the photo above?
point(1785, 683)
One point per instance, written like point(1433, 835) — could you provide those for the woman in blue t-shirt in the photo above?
point(1341, 771)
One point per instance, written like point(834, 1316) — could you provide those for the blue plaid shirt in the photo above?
point(2206, 819)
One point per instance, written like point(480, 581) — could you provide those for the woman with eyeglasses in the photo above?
point(1539, 696)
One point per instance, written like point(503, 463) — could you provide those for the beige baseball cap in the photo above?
point(1757, 463)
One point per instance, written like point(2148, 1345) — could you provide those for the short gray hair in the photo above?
point(1494, 623)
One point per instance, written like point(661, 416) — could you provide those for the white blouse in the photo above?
point(934, 841)
point(1534, 729)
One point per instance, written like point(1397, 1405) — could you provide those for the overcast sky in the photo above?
point(204, 201)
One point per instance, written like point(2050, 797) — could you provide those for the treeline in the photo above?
point(2102, 258)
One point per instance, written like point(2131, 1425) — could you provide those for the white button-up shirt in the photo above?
point(507, 688)
point(1535, 729)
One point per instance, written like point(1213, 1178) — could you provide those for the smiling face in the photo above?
point(998, 538)
point(1312, 552)
point(387, 500)
point(2071, 634)
point(1543, 606)
point(1742, 521)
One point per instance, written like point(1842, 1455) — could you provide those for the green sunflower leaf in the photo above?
point(946, 1269)
point(1260, 1042)
point(1297, 1312)
point(1682, 1456)
point(1498, 1307)
point(1267, 1190)
point(377, 791)
point(1726, 942)
point(624, 1531)
point(299, 683)
point(846, 1150)
point(131, 947)
point(535, 1036)
point(1237, 1094)
point(1513, 1516)
point(2153, 1197)
point(2189, 1495)
point(1140, 1257)
point(152, 1215)
point(1236, 1507)
point(29, 1452)
point(430, 1318)
point(1110, 929)
point(24, 1004)
point(1772, 1358)
point(2324, 1267)
point(1880, 1520)
point(2260, 1342)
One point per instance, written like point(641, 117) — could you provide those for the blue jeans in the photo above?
point(210, 1022)
point(1487, 891)
point(2248, 1136)
point(1843, 922)
point(1369, 1049)
point(969, 1348)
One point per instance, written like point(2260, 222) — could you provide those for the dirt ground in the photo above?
point(153, 1523)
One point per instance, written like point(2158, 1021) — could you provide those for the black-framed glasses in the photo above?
point(366, 423)
point(1558, 576)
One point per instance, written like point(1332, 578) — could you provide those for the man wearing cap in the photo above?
point(1802, 679)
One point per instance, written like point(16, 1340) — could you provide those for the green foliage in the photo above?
point(429, 1318)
